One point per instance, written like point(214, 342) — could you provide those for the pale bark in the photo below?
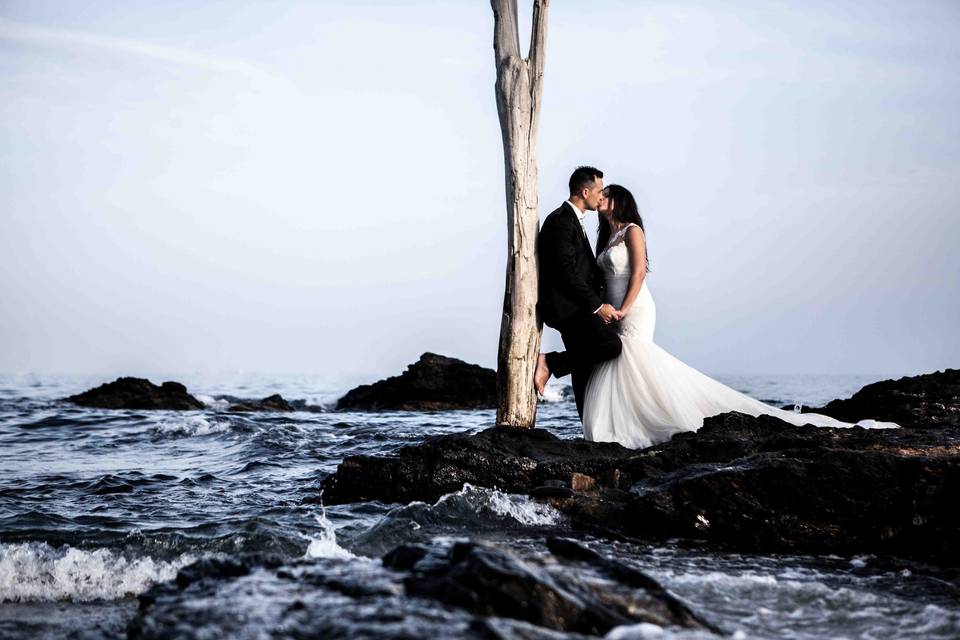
point(518, 89)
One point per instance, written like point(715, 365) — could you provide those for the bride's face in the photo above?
point(606, 204)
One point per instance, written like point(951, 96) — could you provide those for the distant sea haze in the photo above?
point(778, 389)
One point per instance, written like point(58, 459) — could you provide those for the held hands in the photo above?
point(608, 314)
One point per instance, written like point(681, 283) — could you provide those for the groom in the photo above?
point(571, 285)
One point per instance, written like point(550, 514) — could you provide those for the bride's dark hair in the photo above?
point(624, 211)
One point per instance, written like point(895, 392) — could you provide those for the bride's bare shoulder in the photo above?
point(634, 231)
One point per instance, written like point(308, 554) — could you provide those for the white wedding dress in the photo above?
point(645, 395)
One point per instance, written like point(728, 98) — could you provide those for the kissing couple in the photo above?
point(627, 389)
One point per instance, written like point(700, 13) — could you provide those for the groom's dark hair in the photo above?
point(583, 177)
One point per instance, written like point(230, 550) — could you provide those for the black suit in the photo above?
point(571, 288)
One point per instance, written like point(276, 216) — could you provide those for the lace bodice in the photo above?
point(614, 260)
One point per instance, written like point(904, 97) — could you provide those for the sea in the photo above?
point(97, 506)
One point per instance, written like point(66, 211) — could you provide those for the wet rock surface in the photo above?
point(270, 403)
point(924, 400)
point(760, 485)
point(752, 484)
point(138, 393)
point(578, 590)
point(433, 383)
point(513, 460)
point(478, 590)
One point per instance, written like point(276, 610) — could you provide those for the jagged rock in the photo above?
point(508, 458)
point(929, 399)
point(138, 393)
point(583, 592)
point(270, 403)
point(433, 383)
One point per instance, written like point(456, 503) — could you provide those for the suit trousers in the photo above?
point(589, 342)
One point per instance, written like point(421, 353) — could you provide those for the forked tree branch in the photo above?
point(506, 32)
point(538, 36)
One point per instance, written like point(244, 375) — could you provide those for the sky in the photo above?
point(317, 187)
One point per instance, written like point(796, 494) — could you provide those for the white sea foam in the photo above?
point(324, 545)
point(649, 631)
point(555, 392)
point(523, 509)
point(191, 426)
point(37, 572)
point(213, 403)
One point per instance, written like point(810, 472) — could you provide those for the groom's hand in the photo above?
point(608, 314)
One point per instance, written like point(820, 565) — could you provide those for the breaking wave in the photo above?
point(521, 509)
point(557, 393)
point(191, 426)
point(469, 511)
point(324, 544)
point(37, 572)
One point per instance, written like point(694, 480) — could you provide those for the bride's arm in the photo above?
point(637, 250)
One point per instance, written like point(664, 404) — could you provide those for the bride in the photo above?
point(645, 395)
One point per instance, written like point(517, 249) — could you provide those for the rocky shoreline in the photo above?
point(750, 484)
point(743, 484)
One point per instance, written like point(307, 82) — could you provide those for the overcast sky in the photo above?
point(317, 187)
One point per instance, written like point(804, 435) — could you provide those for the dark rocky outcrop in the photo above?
point(929, 399)
point(433, 383)
point(514, 460)
point(138, 393)
point(802, 489)
point(270, 403)
point(490, 581)
point(755, 484)
point(478, 590)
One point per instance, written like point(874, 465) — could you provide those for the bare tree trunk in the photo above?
point(518, 88)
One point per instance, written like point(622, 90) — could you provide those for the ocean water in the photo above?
point(96, 506)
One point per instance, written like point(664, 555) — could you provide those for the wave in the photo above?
point(38, 572)
point(471, 510)
point(213, 402)
point(191, 426)
point(324, 544)
point(557, 393)
point(521, 509)
point(311, 405)
point(650, 631)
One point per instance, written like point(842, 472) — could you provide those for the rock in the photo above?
point(433, 383)
point(929, 399)
point(757, 484)
point(270, 403)
point(676, 612)
point(511, 459)
point(582, 483)
point(582, 593)
point(212, 599)
point(546, 491)
point(403, 558)
point(750, 484)
point(138, 393)
point(463, 590)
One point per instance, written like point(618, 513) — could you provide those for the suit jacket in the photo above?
point(570, 280)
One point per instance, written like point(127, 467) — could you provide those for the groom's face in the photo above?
point(593, 195)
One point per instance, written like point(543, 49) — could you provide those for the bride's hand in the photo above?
point(621, 314)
